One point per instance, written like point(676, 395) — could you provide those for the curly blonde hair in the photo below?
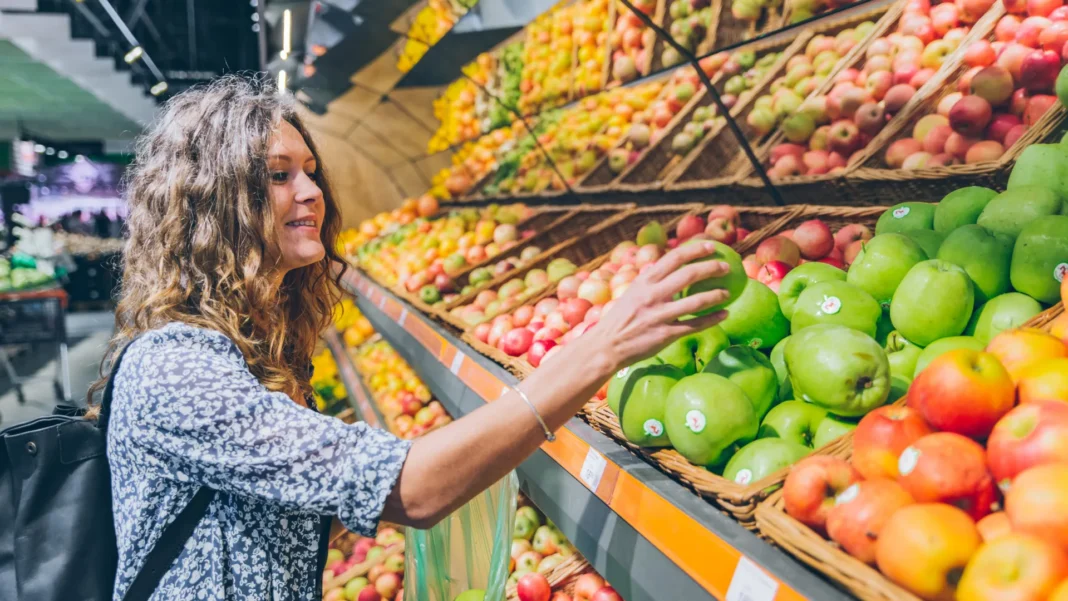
point(202, 246)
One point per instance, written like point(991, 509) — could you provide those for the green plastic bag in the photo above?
point(468, 551)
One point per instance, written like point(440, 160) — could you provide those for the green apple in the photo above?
point(755, 319)
point(354, 586)
point(802, 277)
point(559, 268)
point(524, 528)
point(830, 430)
point(935, 300)
point(882, 264)
point(1003, 312)
point(883, 328)
point(529, 513)
point(751, 371)
point(939, 347)
point(836, 302)
point(1042, 165)
point(838, 368)
point(762, 458)
point(618, 383)
point(1040, 259)
point(641, 403)
point(906, 216)
point(929, 240)
point(479, 275)
point(786, 390)
point(1016, 208)
point(652, 233)
point(707, 418)
point(429, 294)
point(902, 356)
point(795, 421)
point(691, 353)
point(984, 256)
point(735, 282)
point(961, 207)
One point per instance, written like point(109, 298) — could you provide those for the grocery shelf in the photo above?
point(646, 534)
point(359, 396)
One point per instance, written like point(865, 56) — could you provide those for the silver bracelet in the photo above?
point(548, 433)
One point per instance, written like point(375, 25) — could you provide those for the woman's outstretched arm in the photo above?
point(449, 466)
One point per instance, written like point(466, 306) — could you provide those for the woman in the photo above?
point(227, 285)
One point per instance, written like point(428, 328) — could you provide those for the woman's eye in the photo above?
point(279, 177)
point(313, 175)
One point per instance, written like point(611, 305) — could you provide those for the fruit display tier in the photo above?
point(359, 397)
point(646, 534)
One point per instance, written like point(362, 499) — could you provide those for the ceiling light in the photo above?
point(287, 33)
point(62, 154)
point(159, 88)
point(255, 17)
point(38, 148)
point(256, 27)
point(134, 54)
point(282, 79)
point(50, 151)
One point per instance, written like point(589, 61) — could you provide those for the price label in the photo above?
point(750, 583)
point(457, 361)
point(382, 303)
point(403, 317)
point(593, 469)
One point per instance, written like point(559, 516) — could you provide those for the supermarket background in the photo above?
point(887, 177)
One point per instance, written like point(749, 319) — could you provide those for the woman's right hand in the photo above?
point(646, 318)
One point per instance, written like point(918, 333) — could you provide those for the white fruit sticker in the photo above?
point(744, 476)
point(900, 212)
point(593, 469)
point(623, 373)
point(1060, 271)
point(831, 305)
point(653, 427)
point(695, 421)
point(847, 495)
point(908, 460)
point(750, 583)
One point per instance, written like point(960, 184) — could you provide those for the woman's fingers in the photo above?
point(691, 274)
point(697, 324)
point(677, 258)
point(693, 304)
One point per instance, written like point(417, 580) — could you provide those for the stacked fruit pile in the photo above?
point(349, 241)
point(590, 35)
point(329, 392)
point(431, 24)
point(631, 42)
point(457, 109)
point(827, 129)
point(1008, 87)
point(932, 279)
point(690, 23)
point(473, 161)
point(372, 571)
point(523, 164)
point(799, 10)
point(547, 61)
point(505, 89)
point(402, 397)
point(955, 493)
point(416, 253)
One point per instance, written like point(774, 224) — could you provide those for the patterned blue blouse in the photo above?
point(186, 412)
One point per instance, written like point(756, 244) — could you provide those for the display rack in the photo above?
point(645, 533)
point(359, 397)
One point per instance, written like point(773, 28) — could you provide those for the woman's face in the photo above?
point(299, 207)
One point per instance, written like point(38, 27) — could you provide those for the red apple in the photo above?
point(538, 349)
point(772, 273)
point(388, 584)
point(814, 239)
point(1037, 503)
point(1029, 435)
point(970, 116)
point(958, 145)
point(721, 230)
point(522, 316)
point(1014, 134)
point(368, 593)
point(547, 305)
point(533, 587)
point(844, 136)
point(935, 141)
point(726, 211)
point(587, 585)
point(517, 341)
point(689, 226)
point(993, 84)
point(1037, 106)
point(1055, 36)
point(897, 96)
point(778, 248)
point(1043, 8)
point(859, 513)
point(574, 310)
point(963, 391)
point(979, 54)
point(606, 593)
point(550, 333)
point(948, 468)
point(870, 118)
point(987, 150)
point(882, 435)
point(811, 487)
point(1039, 70)
point(595, 291)
point(1030, 29)
point(1007, 26)
point(1016, 567)
point(752, 266)
point(1000, 126)
point(1011, 58)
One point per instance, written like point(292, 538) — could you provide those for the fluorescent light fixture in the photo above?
point(50, 151)
point(39, 148)
point(287, 33)
point(62, 154)
point(135, 53)
point(283, 79)
point(159, 88)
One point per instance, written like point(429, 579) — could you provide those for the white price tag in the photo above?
point(457, 361)
point(403, 317)
point(750, 583)
point(593, 469)
point(382, 302)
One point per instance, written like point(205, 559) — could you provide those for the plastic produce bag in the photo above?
point(467, 551)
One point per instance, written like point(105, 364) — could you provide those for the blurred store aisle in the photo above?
point(88, 335)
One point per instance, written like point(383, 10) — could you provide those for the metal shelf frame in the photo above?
point(653, 539)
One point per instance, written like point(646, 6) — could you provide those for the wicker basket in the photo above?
point(834, 217)
point(645, 68)
point(730, 30)
point(738, 500)
point(703, 47)
point(577, 91)
point(1045, 319)
point(561, 578)
point(761, 220)
point(719, 159)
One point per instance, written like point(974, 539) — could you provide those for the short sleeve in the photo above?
point(197, 414)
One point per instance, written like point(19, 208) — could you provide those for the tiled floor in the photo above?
point(88, 335)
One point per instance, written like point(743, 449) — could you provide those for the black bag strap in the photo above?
point(170, 544)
